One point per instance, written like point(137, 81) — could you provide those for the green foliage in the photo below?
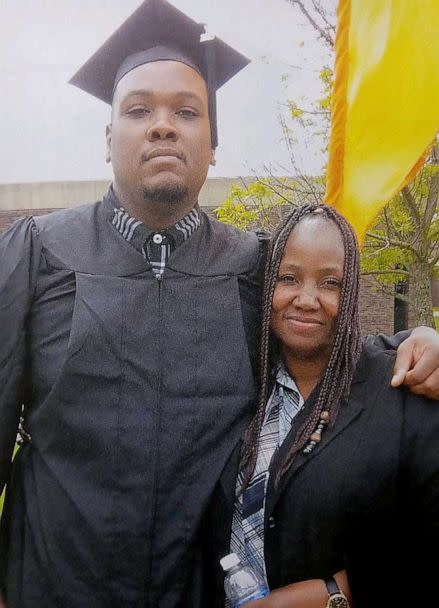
point(382, 256)
point(251, 206)
point(327, 79)
point(406, 233)
point(261, 204)
point(315, 116)
point(295, 111)
point(234, 212)
point(405, 240)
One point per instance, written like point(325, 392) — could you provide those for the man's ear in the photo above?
point(212, 157)
point(108, 138)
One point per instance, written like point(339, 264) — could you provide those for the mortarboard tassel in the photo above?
point(208, 41)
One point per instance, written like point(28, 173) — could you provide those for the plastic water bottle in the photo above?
point(241, 583)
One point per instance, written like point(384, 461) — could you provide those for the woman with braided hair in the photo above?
point(337, 472)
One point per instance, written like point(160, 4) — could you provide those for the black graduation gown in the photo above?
point(135, 393)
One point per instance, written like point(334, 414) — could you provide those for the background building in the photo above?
point(379, 312)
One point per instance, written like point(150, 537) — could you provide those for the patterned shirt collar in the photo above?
point(137, 233)
point(290, 400)
point(155, 246)
point(283, 377)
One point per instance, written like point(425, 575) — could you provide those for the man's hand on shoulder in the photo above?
point(417, 363)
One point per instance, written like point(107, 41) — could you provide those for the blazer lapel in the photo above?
point(348, 413)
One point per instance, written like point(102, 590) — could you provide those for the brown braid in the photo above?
point(346, 348)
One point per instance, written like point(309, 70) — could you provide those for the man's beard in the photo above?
point(165, 195)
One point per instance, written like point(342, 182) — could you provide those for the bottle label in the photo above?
point(257, 595)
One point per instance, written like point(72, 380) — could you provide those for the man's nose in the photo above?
point(162, 129)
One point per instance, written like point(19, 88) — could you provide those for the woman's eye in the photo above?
point(332, 283)
point(287, 278)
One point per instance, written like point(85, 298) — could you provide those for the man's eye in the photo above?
point(187, 113)
point(137, 112)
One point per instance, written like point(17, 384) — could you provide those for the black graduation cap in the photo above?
point(158, 31)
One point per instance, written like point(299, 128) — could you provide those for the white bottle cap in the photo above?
point(229, 561)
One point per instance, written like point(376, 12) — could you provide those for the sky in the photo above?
point(52, 131)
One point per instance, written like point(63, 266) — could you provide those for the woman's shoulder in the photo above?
point(375, 363)
point(375, 370)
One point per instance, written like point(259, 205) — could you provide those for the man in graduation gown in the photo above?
point(127, 335)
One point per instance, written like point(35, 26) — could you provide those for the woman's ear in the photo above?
point(212, 158)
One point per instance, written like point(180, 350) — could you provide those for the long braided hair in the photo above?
point(335, 384)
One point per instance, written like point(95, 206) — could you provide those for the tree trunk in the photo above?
point(420, 293)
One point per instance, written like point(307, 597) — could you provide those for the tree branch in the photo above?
point(389, 271)
point(388, 290)
point(282, 196)
point(434, 249)
point(310, 112)
point(393, 242)
point(316, 195)
point(432, 200)
point(409, 199)
point(389, 224)
point(321, 12)
point(328, 39)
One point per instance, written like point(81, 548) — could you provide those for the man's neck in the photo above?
point(156, 215)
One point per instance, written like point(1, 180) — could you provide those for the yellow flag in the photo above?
point(385, 111)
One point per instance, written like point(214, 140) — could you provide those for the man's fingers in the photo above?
point(398, 377)
point(423, 367)
point(429, 387)
point(419, 374)
point(403, 362)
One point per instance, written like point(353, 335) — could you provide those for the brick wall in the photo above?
point(376, 309)
point(7, 218)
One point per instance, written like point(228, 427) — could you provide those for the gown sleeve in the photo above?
point(20, 251)
point(384, 342)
